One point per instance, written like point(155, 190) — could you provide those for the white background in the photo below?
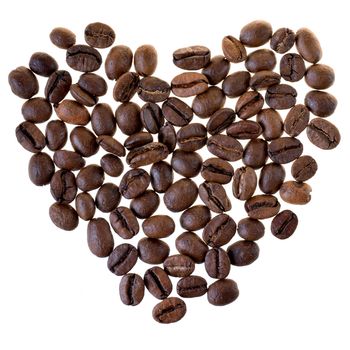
point(54, 294)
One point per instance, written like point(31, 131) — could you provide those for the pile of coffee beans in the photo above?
point(164, 136)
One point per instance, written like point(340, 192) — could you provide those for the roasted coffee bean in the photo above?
point(249, 104)
point(220, 120)
point(281, 96)
point(64, 216)
point(242, 253)
point(30, 137)
point(271, 122)
point(126, 86)
point(128, 118)
point(192, 57)
point(82, 96)
point(214, 197)
point(57, 86)
point(177, 112)
point(36, 110)
point(187, 164)
point(323, 133)
point(320, 103)
point(161, 176)
point(63, 186)
point(112, 165)
point(83, 141)
point(83, 58)
point(188, 243)
point(174, 199)
point(308, 45)
point(151, 153)
point(152, 250)
point(262, 206)
point(178, 265)
point(250, 229)
point(233, 49)
point(167, 136)
point(131, 289)
point(192, 137)
point(158, 283)
point(222, 292)
point(93, 84)
point(319, 76)
point(255, 33)
point(118, 61)
point(271, 178)
point(219, 230)
point(295, 192)
point(42, 64)
point(244, 129)
point(263, 79)
point(296, 120)
point(23, 82)
point(282, 40)
point(189, 84)
point(285, 150)
point(102, 119)
point(107, 197)
point(56, 134)
point(191, 287)
point(62, 37)
point(255, 153)
point(139, 139)
point(145, 60)
point(244, 183)
point(145, 205)
point(40, 169)
point(208, 102)
point(122, 259)
point(259, 60)
point(236, 84)
point(217, 170)
point(124, 222)
point(90, 177)
point(152, 117)
point(217, 69)
point(85, 206)
point(225, 147)
point(284, 224)
point(158, 226)
point(169, 310)
point(99, 237)
point(304, 168)
point(217, 263)
point(152, 89)
point(195, 218)
point(99, 35)
point(72, 112)
point(68, 160)
point(134, 182)
point(111, 145)
point(292, 67)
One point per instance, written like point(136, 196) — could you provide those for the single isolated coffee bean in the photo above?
point(217, 170)
point(220, 120)
point(158, 282)
point(42, 64)
point(295, 192)
point(236, 84)
point(41, 169)
point(56, 135)
point(188, 243)
point(304, 168)
point(83, 58)
point(112, 165)
point(208, 102)
point(30, 137)
point(152, 251)
point(36, 110)
point(64, 216)
point(131, 289)
point(57, 86)
point(152, 89)
point(282, 40)
point(319, 76)
point(271, 122)
point(296, 120)
point(90, 178)
point(214, 197)
point(72, 112)
point(308, 45)
point(145, 60)
point(63, 186)
point(244, 129)
point(85, 206)
point(139, 139)
point(68, 160)
point(118, 61)
point(151, 153)
point(187, 164)
point(263, 79)
point(323, 134)
point(259, 60)
point(216, 70)
point(126, 86)
point(124, 222)
point(99, 35)
point(284, 224)
point(242, 253)
point(99, 237)
point(255, 153)
point(191, 287)
point(145, 204)
point(285, 150)
point(107, 197)
point(162, 176)
point(192, 137)
point(250, 229)
point(249, 104)
point(128, 118)
point(217, 263)
point(195, 218)
point(225, 147)
point(262, 206)
point(169, 310)
point(122, 259)
point(152, 117)
point(23, 82)
point(292, 67)
point(134, 182)
point(233, 49)
point(222, 292)
point(83, 141)
point(63, 38)
point(93, 84)
point(176, 112)
point(281, 96)
point(179, 265)
point(271, 178)
point(255, 33)
point(158, 226)
point(320, 103)
point(192, 57)
point(189, 84)
point(244, 183)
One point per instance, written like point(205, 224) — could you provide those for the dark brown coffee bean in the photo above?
point(217, 69)
point(137, 140)
point(292, 67)
point(128, 118)
point(192, 57)
point(195, 218)
point(236, 84)
point(319, 76)
point(134, 182)
point(271, 178)
point(244, 183)
point(158, 226)
point(192, 137)
point(320, 103)
point(167, 136)
point(107, 197)
point(308, 45)
point(295, 192)
point(225, 147)
point(208, 102)
point(82, 96)
point(118, 61)
point(214, 197)
point(259, 60)
point(187, 164)
point(217, 263)
point(220, 120)
point(233, 49)
point(242, 253)
point(56, 134)
point(145, 60)
point(152, 89)
point(122, 259)
point(222, 292)
point(285, 150)
point(281, 96)
point(158, 283)
point(262, 206)
point(323, 133)
point(93, 84)
point(57, 86)
point(296, 120)
point(102, 120)
point(255, 33)
point(36, 110)
point(152, 117)
point(282, 40)
point(112, 165)
point(131, 289)
point(30, 137)
point(188, 243)
point(189, 84)
point(72, 112)
point(219, 230)
point(124, 222)
point(99, 35)
point(63, 186)
point(111, 145)
point(304, 168)
point(151, 153)
point(85, 206)
point(40, 169)
point(271, 122)
point(161, 176)
point(284, 224)
point(169, 310)
point(83, 58)
point(217, 170)
point(64, 216)
point(191, 287)
point(177, 112)
point(178, 265)
point(68, 160)
point(126, 86)
point(23, 82)
point(244, 129)
point(145, 205)
point(250, 229)
point(42, 64)
point(90, 177)
point(62, 37)
point(83, 141)
point(263, 79)
point(255, 153)
point(99, 237)
point(249, 104)
point(152, 250)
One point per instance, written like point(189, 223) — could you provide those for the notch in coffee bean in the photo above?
point(137, 140)
point(214, 197)
point(220, 120)
point(225, 147)
point(304, 168)
point(177, 112)
point(122, 259)
point(262, 206)
point(179, 265)
point(323, 134)
point(282, 40)
point(189, 84)
point(99, 35)
point(57, 86)
point(296, 120)
point(217, 263)
point(152, 117)
point(150, 153)
point(233, 49)
point(131, 289)
point(249, 104)
point(152, 89)
point(30, 137)
point(284, 224)
point(217, 170)
point(191, 286)
point(158, 282)
point(169, 310)
point(83, 58)
point(192, 57)
point(281, 96)
point(292, 67)
point(63, 186)
point(126, 87)
point(192, 137)
point(124, 222)
point(285, 150)
point(244, 183)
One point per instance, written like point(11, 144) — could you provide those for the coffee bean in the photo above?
point(179, 265)
point(282, 40)
point(271, 122)
point(295, 192)
point(57, 86)
point(158, 283)
point(225, 147)
point(195, 218)
point(151, 153)
point(281, 96)
point(83, 58)
point(152, 89)
point(126, 86)
point(255, 153)
point(90, 177)
point(222, 292)
point(208, 102)
point(296, 120)
point(167, 136)
point(242, 253)
point(219, 230)
point(93, 84)
point(68, 160)
point(249, 104)
point(188, 243)
point(259, 60)
point(36, 110)
point(124, 222)
point(244, 129)
point(161, 176)
point(217, 170)
point(99, 35)
point(236, 84)
point(30, 137)
point(263, 79)
point(107, 197)
point(189, 84)
point(319, 76)
point(191, 287)
point(111, 145)
point(152, 250)
point(217, 263)
point(217, 69)
point(271, 178)
point(187, 164)
point(320, 103)
point(99, 237)
point(72, 112)
point(145, 60)
point(233, 49)
point(255, 33)
point(220, 120)
point(42, 64)
point(134, 182)
point(323, 133)
point(284, 224)
point(118, 61)
point(63, 186)
point(250, 229)
point(82, 96)
point(308, 45)
point(262, 206)
point(102, 119)
point(244, 183)
point(304, 168)
point(177, 112)
point(23, 82)
point(285, 150)
point(40, 169)
point(139, 139)
point(128, 118)
point(83, 141)
point(145, 204)
point(85, 206)
point(131, 289)
point(292, 67)
point(158, 226)
point(62, 37)
point(64, 216)
point(192, 57)
point(214, 197)
point(122, 259)
point(169, 310)
point(112, 165)
point(152, 117)
point(192, 137)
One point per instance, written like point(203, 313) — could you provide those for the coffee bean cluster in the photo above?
point(260, 137)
